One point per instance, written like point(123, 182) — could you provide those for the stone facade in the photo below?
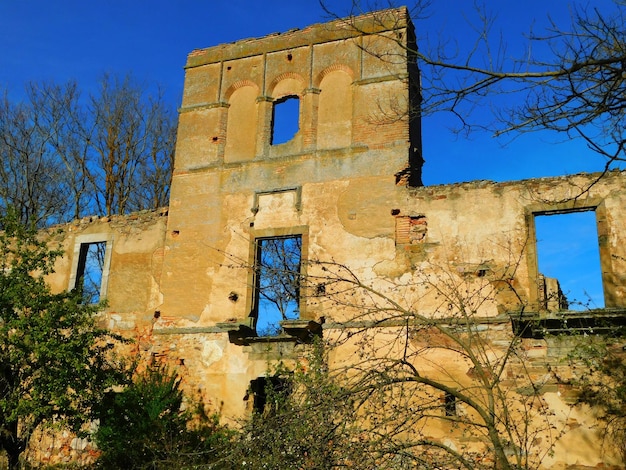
point(347, 186)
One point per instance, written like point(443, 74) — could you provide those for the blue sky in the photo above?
point(82, 39)
point(568, 244)
point(77, 39)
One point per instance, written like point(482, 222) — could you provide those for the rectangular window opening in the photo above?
point(277, 286)
point(268, 394)
point(285, 119)
point(449, 404)
point(90, 270)
point(568, 260)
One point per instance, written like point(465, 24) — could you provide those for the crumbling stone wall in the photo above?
point(134, 250)
point(182, 281)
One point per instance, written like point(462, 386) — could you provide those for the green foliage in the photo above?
point(55, 363)
point(147, 426)
point(306, 423)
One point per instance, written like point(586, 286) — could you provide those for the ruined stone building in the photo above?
point(187, 282)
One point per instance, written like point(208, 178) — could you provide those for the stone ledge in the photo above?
point(242, 333)
point(569, 322)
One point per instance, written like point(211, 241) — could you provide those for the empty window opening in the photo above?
point(268, 393)
point(277, 282)
point(285, 119)
point(568, 258)
point(449, 404)
point(89, 271)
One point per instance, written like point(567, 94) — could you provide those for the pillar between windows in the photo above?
point(264, 126)
point(309, 110)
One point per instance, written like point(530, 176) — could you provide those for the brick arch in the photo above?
point(237, 85)
point(241, 121)
point(286, 76)
point(333, 68)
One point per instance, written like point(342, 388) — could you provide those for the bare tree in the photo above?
point(31, 178)
point(132, 139)
point(64, 158)
point(445, 387)
point(424, 375)
point(277, 282)
point(154, 177)
point(307, 423)
point(570, 80)
point(602, 385)
point(57, 112)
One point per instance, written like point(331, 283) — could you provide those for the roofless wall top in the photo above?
point(346, 28)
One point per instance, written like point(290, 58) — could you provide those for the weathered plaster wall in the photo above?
point(218, 170)
point(340, 184)
point(136, 246)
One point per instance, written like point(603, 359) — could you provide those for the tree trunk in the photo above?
point(14, 449)
point(14, 460)
point(13, 445)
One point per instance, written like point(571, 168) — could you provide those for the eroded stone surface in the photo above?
point(181, 282)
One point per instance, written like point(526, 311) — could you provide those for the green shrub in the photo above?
point(147, 426)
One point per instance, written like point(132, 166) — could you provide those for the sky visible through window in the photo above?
point(278, 283)
point(286, 119)
point(91, 267)
point(567, 249)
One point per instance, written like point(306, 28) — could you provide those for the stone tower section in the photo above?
point(352, 79)
point(352, 82)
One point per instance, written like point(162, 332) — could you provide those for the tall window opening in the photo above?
point(285, 119)
point(568, 258)
point(277, 286)
point(89, 271)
